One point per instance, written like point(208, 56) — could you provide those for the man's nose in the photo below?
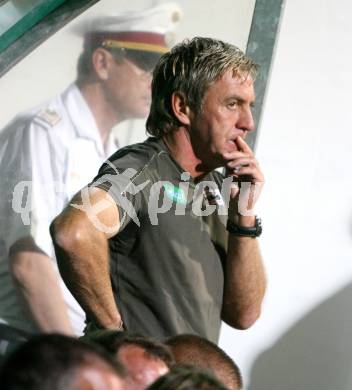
point(246, 121)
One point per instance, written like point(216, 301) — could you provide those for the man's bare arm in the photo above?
point(82, 251)
point(38, 285)
point(245, 280)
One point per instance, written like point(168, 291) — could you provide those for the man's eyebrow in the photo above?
point(233, 97)
point(239, 99)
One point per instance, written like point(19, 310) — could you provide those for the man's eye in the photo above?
point(233, 104)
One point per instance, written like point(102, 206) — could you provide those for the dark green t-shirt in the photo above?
point(167, 258)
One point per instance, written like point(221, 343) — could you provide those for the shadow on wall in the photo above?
point(315, 354)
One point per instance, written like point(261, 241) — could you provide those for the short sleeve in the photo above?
point(126, 185)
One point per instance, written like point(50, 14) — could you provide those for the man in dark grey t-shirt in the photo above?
point(163, 263)
point(161, 209)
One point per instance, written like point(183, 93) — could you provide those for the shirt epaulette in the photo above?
point(48, 116)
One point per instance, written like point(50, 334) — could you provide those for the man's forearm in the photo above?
point(83, 259)
point(245, 282)
point(37, 283)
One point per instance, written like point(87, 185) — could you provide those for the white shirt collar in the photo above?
point(84, 121)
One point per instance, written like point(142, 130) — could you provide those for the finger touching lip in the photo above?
point(232, 145)
point(242, 145)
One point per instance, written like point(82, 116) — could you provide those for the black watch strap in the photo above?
point(242, 231)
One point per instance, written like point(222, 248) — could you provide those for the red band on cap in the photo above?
point(138, 37)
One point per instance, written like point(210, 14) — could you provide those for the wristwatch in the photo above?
point(242, 231)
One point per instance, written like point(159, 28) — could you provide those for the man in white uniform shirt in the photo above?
point(50, 152)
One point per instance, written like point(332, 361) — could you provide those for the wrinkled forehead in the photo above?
point(232, 77)
point(231, 85)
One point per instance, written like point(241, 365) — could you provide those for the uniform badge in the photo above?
point(51, 117)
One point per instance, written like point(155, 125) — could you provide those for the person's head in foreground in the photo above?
point(57, 362)
point(198, 351)
point(185, 377)
point(143, 358)
point(203, 87)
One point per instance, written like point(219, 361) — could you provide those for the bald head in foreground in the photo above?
point(144, 359)
point(197, 351)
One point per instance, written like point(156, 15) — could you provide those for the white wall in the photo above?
point(303, 339)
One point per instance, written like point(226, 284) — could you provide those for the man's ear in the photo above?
point(181, 108)
point(100, 60)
